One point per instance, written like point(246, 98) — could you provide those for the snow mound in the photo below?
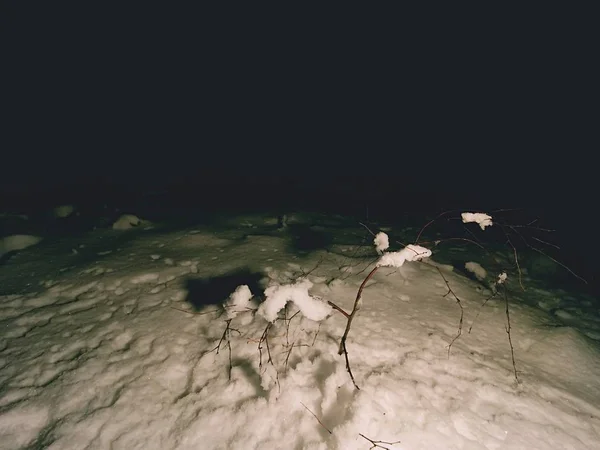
point(17, 242)
point(476, 269)
point(63, 211)
point(126, 222)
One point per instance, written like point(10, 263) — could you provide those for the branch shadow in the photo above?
point(215, 290)
point(304, 239)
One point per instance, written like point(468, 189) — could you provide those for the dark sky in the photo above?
point(150, 98)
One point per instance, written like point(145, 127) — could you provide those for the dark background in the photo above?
point(332, 110)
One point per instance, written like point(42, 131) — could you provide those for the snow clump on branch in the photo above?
point(277, 296)
point(482, 219)
point(382, 242)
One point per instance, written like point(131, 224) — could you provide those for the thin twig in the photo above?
point(546, 243)
point(316, 334)
point(195, 312)
point(337, 308)
point(376, 444)
point(439, 241)
point(512, 349)
point(533, 228)
point(535, 249)
point(560, 264)
point(481, 309)
point(264, 338)
point(355, 309)
point(226, 336)
point(318, 420)
point(429, 223)
point(368, 229)
point(305, 274)
point(462, 311)
point(516, 258)
point(287, 328)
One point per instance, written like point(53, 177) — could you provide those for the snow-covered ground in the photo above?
point(117, 339)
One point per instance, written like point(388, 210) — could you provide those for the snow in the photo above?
point(276, 297)
point(502, 278)
point(63, 211)
point(409, 253)
point(476, 269)
point(382, 242)
point(482, 219)
point(158, 345)
point(239, 301)
point(17, 242)
point(126, 222)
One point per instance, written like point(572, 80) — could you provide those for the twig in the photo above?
point(316, 334)
point(195, 312)
point(439, 241)
point(516, 258)
point(337, 308)
point(264, 338)
point(371, 262)
point(355, 309)
point(305, 274)
point(546, 255)
point(462, 311)
point(288, 356)
point(512, 349)
point(560, 264)
point(546, 243)
point(533, 228)
point(287, 328)
point(226, 336)
point(480, 309)
point(367, 228)
point(375, 444)
point(429, 223)
point(318, 420)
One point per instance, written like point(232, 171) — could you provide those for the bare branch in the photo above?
point(516, 258)
point(430, 222)
point(196, 312)
point(264, 338)
point(226, 336)
point(546, 243)
point(318, 420)
point(367, 228)
point(481, 308)
point(546, 255)
point(439, 241)
point(355, 308)
point(376, 444)
point(462, 311)
point(337, 308)
point(512, 349)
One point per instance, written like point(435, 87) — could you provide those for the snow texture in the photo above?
point(409, 253)
point(382, 242)
point(482, 219)
point(113, 352)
